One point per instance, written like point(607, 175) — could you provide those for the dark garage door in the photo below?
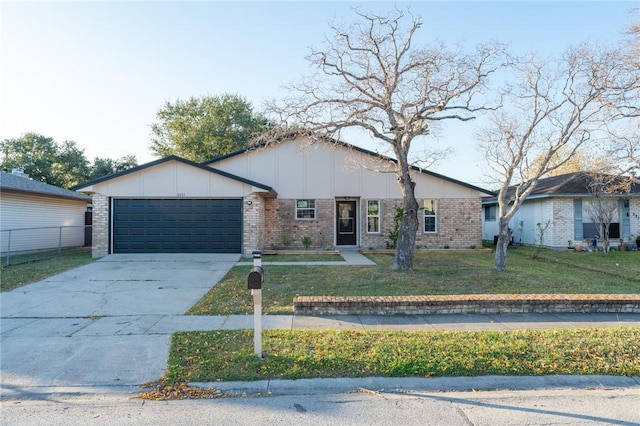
point(177, 226)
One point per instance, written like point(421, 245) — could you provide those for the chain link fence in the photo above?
point(20, 245)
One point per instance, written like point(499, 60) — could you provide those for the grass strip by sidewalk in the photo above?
point(295, 354)
point(29, 268)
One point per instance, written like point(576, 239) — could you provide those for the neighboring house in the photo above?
point(560, 206)
point(273, 196)
point(27, 204)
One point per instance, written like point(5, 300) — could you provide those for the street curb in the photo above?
point(417, 384)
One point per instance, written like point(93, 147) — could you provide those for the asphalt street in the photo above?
point(603, 406)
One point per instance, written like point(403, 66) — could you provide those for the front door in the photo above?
point(346, 223)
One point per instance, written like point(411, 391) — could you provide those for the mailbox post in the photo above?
point(254, 282)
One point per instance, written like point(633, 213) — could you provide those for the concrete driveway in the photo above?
point(93, 326)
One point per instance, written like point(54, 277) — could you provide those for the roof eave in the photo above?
point(494, 200)
point(88, 186)
point(79, 198)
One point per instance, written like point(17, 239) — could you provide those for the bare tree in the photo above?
point(623, 145)
point(555, 108)
point(574, 163)
point(373, 78)
point(602, 208)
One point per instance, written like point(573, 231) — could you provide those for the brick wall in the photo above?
point(459, 224)
point(253, 216)
point(466, 304)
point(387, 213)
point(100, 228)
point(281, 223)
point(562, 224)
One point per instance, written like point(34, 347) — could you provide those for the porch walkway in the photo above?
point(352, 257)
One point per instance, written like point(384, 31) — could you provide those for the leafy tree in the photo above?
point(69, 167)
point(45, 160)
point(201, 128)
point(63, 165)
point(32, 152)
point(372, 77)
point(107, 166)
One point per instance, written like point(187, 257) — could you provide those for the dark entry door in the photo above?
point(346, 223)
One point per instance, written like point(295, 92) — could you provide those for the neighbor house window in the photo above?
point(373, 216)
point(305, 209)
point(430, 216)
point(596, 214)
point(490, 213)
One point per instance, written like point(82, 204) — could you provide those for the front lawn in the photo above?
point(435, 273)
point(294, 354)
point(29, 268)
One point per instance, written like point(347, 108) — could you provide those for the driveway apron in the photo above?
point(90, 325)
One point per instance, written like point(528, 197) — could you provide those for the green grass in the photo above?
point(29, 268)
point(435, 273)
point(296, 354)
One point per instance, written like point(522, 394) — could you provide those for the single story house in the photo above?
point(37, 216)
point(285, 194)
point(561, 207)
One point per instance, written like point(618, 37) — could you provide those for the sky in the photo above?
point(97, 72)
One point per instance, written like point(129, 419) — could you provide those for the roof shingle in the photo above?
point(15, 183)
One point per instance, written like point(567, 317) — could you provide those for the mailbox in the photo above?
point(255, 278)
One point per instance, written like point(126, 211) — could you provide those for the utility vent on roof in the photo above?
point(19, 171)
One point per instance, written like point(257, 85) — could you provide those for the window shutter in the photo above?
point(577, 220)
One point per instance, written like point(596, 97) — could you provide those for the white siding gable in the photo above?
point(298, 169)
point(171, 179)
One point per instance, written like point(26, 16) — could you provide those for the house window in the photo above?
point(596, 214)
point(490, 213)
point(373, 216)
point(591, 229)
point(306, 209)
point(430, 216)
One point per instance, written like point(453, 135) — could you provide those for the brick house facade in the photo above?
point(332, 193)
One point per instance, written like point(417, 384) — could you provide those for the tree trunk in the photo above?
point(607, 243)
point(504, 238)
point(408, 225)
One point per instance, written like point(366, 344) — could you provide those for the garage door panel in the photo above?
point(177, 225)
point(137, 204)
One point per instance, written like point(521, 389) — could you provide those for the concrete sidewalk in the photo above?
point(108, 324)
point(168, 324)
point(41, 356)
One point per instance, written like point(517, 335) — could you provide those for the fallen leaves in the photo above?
point(180, 390)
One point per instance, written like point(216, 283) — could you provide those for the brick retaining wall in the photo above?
point(467, 304)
